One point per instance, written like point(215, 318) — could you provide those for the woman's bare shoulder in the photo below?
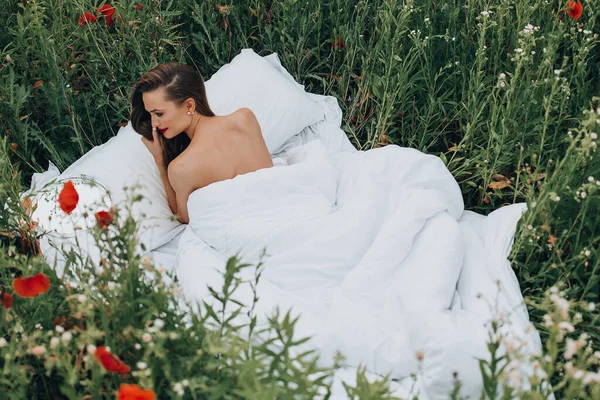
point(245, 119)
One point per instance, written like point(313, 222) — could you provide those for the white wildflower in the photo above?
point(587, 252)
point(142, 365)
point(82, 298)
point(419, 355)
point(3, 342)
point(38, 351)
point(583, 195)
point(514, 379)
point(111, 286)
point(557, 72)
point(178, 388)
point(572, 347)
point(59, 329)
point(566, 326)
point(67, 336)
point(486, 13)
point(159, 323)
point(591, 377)
point(54, 341)
point(594, 135)
point(146, 337)
point(591, 306)
point(529, 29)
point(519, 50)
point(91, 349)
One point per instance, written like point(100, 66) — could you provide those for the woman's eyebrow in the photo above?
point(156, 109)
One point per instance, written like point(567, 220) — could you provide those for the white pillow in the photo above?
point(281, 105)
point(124, 161)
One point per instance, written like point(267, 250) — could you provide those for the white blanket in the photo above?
point(374, 250)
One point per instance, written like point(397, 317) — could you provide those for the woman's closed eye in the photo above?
point(158, 114)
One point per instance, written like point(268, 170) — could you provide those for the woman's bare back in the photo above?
point(226, 146)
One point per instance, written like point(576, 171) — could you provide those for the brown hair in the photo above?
point(180, 82)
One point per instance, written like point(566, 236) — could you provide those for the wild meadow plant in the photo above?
point(503, 91)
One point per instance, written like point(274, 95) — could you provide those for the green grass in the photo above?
point(495, 95)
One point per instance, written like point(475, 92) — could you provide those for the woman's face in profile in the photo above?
point(166, 116)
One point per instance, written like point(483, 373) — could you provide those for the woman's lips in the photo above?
point(163, 130)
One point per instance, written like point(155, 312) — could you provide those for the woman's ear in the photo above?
point(190, 105)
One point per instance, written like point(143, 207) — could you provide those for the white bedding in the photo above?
point(374, 249)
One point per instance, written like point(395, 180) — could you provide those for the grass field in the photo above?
point(503, 91)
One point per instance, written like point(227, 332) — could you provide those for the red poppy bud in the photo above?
point(110, 362)
point(68, 197)
point(104, 218)
point(7, 300)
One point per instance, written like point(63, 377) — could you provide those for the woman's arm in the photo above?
point(171, 196)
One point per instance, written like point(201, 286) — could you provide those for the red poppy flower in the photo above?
point(134, 392)
point(106, 9)
point(86, 17)
point(68, 197)
point(139, 6)
point(32, 286)
point(7, 300)
point(109, 361)
point(105, 218)
point(575, 9)
point(338, 44)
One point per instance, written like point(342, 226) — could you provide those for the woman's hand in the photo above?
point(154, 146)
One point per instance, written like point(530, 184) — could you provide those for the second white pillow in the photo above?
point(282, 107)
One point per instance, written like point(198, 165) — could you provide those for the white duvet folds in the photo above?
point(375, 251)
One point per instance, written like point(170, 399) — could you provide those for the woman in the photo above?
point(192, 146)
